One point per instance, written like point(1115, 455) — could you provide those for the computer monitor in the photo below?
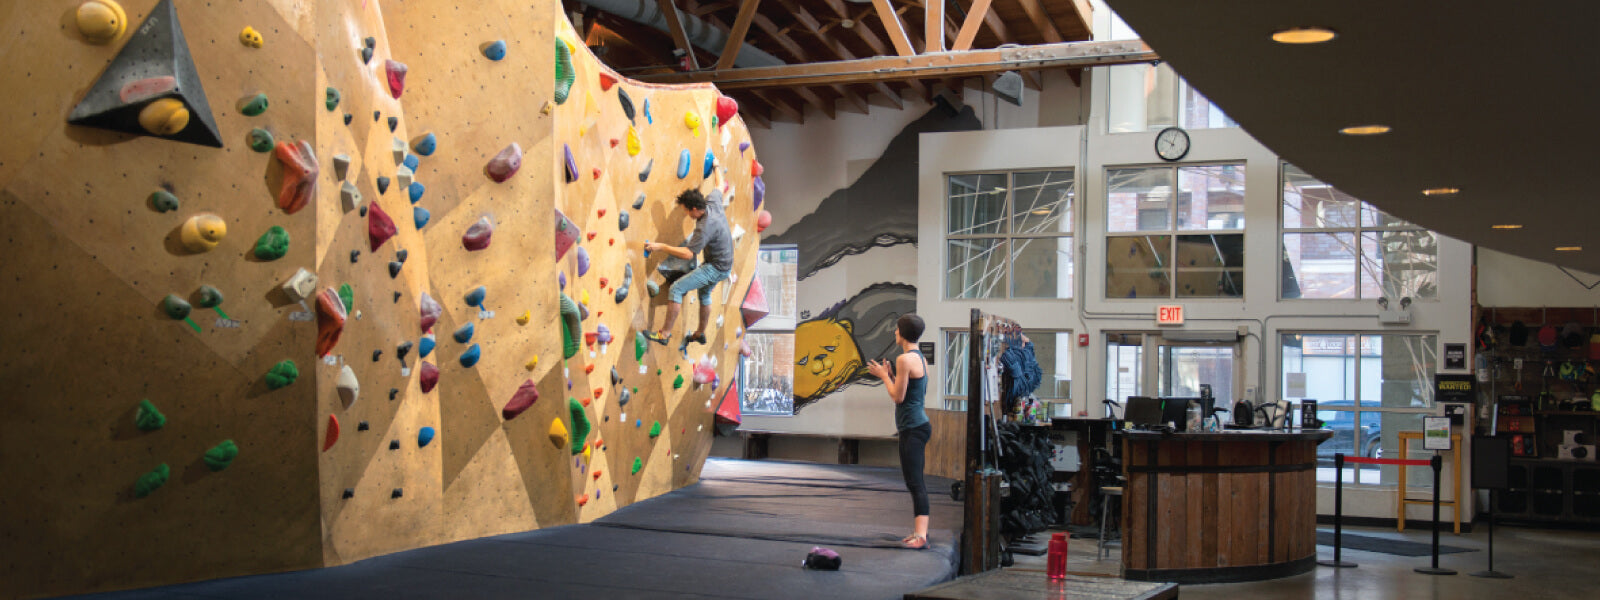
point(1175, 411)
point(1141, 411)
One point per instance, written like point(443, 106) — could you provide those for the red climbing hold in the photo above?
point(604, 282)
point(591, 236)
point(148, 87)
point(611, 241)
point(598, 392)
point(589, 369)
point(521, 400)
point(728, 410)
point(586, 404)
point(763, 221)
point(505, 164)
point(726, 109)
point(478, 235)
point(602, 212)
point(429, 310)
point(379, 226)
point(597, 172)
point(299, 175)
point(430, 376)
point(755, 168)
point(397, 77)
point(331, 314)
point(332, 436)
point(606, 81)
point(597, 474)
point(754, 306)
point(583, 499)
point(614, 142)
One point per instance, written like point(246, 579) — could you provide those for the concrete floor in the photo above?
point(1548, 564)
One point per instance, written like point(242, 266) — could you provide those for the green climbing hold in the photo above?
point(221, 455)
point(678, 383)
point(260, 140)
point(658, 372)
point(175, 307)
point(580, 424)
point(639, 347)
point(273, 244)
point(655, 429)
point(254, 105)
point(348, 296)
point(655, 288)
point(638, 464)
point(564, 73)
point(147, 418)
point(163, 201)
point(210, 297)
point(150, 482)
point(282, 374)
point(333, 98)
point(569, 327)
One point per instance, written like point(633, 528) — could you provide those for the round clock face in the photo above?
point(1172, 143)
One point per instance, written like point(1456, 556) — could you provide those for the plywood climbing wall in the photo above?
point(90, 259)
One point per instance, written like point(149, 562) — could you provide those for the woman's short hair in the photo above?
point(910, 327)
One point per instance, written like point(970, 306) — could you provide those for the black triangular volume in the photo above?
point(154, 64)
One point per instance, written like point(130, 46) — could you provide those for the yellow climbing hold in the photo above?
point(101, 21)
point(251, 38)
point(558, 434)
point(527, 315)
point(588, 103)
point(533, 363)
point(693, 121)
point(633, 141)
point(584, 297)
point(587, 453)
point(166, 116)
point(202, 232)
point(548, 106)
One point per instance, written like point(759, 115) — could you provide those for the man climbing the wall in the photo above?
point(712, 236)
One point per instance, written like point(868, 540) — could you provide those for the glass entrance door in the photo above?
point(1145, 364)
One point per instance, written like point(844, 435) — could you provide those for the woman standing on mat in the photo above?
point(907, 383)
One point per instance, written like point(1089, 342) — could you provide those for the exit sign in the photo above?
point(1169, 315)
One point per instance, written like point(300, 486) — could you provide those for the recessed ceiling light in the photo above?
point(1040, 211)
point(1506, 226)
point(1569, 248)
point(1365, 130)
point(1441, 191)
point(1303, 35)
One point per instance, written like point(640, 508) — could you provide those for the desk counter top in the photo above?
point(1231, 435)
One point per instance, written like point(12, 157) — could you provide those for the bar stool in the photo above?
point(1106, 494)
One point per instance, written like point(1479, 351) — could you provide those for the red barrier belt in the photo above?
point(1387, 461)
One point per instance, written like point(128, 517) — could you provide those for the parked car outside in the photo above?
point(1339, 416)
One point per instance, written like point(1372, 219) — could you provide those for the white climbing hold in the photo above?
point(349, 387)
point(403, 177)
point(302, 285)
point(349, 196)
point(399, 148)
point(341, 165)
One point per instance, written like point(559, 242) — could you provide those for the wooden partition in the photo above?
point(947, 449)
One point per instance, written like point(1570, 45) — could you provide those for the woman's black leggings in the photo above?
point(912, 443)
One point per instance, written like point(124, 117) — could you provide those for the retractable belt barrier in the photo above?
point(1338, 507)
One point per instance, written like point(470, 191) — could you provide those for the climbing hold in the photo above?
point(341, 166)
point(621, 294)
point(470, 357)
point(505, 164)
point(653, 287)
point(101, 21)
point(348, 117)
point(558, 434)
point(710, 161)
point(637, 465)
point(478, 235)
point(349, 387)
point(299, 175)
point(633, 142)
point(494, 50)
point(604, 334)
point(571, 165)
point(369, 42)
point(692, 120)
point(424, 437)
point(606, 81)
point(597, 393)
point(649, 120)
point(402, 350)
point(583, 262)
point(348, 297)
point(726, 109)
point(655, 429)
point(397, 493)
point(394, 444)
point(678, 383)
point(394, 123)
point(623, 398)
point(521, 400)
point(591, 238)
point(273, 244)
point(475, 297)
point(175, 307)
point(754, 306)
point(164, 117)
point(644, 174)
point(331, 315)
point(331, 437)
point(209, 297)
point(150, 482)
point(425, 144)
point(756, 169)
point(410, 162)
point(415, 191)
point(622, 220)
point(705, 370)
point(163, 201)
point(383, 185)
point(627, 105)
point(220, 456)
point(532, 363)
point(379, 227)
point(596, 171)
point(683, 164)
point(429, 376)
point(590, 338)
point(640, 346)
point(349, 493)
point(463, 334)
point(580, 425)
point(526, 316)
point(616, 378)
point(397, 77)
point(394, 268)
point(562, 277)
point(425, 346)
point(250, 37)
point(331, 98)
point(419, 216)
point(349, 196)
point(564, 73)
point(366, 56)
point(282, 374)
point(597, 478)
point(253, 105)
point(569, 326)
point(763, 221)
point(582, 500)
point(638, 201)
point(403, 176)
point(430, 314)
point(147, 418)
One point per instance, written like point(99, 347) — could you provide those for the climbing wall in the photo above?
point(376, 139)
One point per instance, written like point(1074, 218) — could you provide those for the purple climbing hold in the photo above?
point(603, 334)
point(563, 278)
point(478, 235)
point(583, 261)
point(572, 165)
point(505, 164)
point(760, 191)
point(566, 234)
point(743, 146)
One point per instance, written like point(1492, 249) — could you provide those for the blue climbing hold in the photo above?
point(638, 423)
point(495, 51)
point(425, 347)
point(425, 145)
point(424, 437)
point(470, 357)
point(411, 162)
point(463, 334)
point(647, 118)
point(709, 160)
point(683, 164)
point(475, 297)
point(420, 216)
point(415, 190)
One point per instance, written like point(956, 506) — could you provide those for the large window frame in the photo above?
point(1054, 386)
point(1142, 98)
point(1007, 236)
point(1371, 239)
point(1161, 243)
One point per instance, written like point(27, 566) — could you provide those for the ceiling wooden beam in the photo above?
point(871, 40)
point(827, 106)
point(839, 51)
point(933, 26)
point(1041, 21)
point(971, 63)
point(969, 28)
point(741, 27)
point(675, 27)
point(893, 28)
point(781, 105)
point(1085, 14)
point(851, 99)
point(711, 7)
point(912, 33)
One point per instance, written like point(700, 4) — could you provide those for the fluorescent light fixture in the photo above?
point(1441, 191)
point(1304, 35)
point(1040, 211)
point(1506, 226)
point(1365, 130)
point(1569, 248)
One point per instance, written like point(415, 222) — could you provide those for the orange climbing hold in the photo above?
point(604, 282)
point(602, 212)
point(299, 175)
point(589, 369)
point(583, 499)
point(332, 436)
point(597, 474)
point(597, 172)
point(598, 392)
point(755, 168)
point(611, 241)
point(606, 81)
point(614, 142)
point(591, 236)
point(331, 314)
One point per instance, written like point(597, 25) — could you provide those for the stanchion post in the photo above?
point(1491, 573)
point(1437, 463)
point(1338, 516)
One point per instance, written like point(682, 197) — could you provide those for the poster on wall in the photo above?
point(768, 386)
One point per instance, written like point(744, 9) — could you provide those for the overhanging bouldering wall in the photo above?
point(434, 399)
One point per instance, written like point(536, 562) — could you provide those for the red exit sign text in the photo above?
point(1169, 315)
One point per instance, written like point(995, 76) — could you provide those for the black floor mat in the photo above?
point(1367, 543)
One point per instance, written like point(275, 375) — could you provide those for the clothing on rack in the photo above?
point(1020, 372)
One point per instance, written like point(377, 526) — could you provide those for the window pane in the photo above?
point(977, 268)
point(1141, 98)
point(977, 204)
point(1053, 350)
point(1185, 368)
point(768, 375)
point(1200, 113)
point(1396, 264)
point(1211, 197)
point(1042, 267)
point(1211, 266)
point(1139, 199)
point(1309, 203)
point(1372, 217)
point(1382, 430)
point(1401, 370)
point(1320, 265)
point(1041, 202)
point(955, 362)
point(1124, 367)
point(1136, 266)
point(1323, 368)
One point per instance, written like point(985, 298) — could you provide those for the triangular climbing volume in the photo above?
point(152, 87)
point(754, 306)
